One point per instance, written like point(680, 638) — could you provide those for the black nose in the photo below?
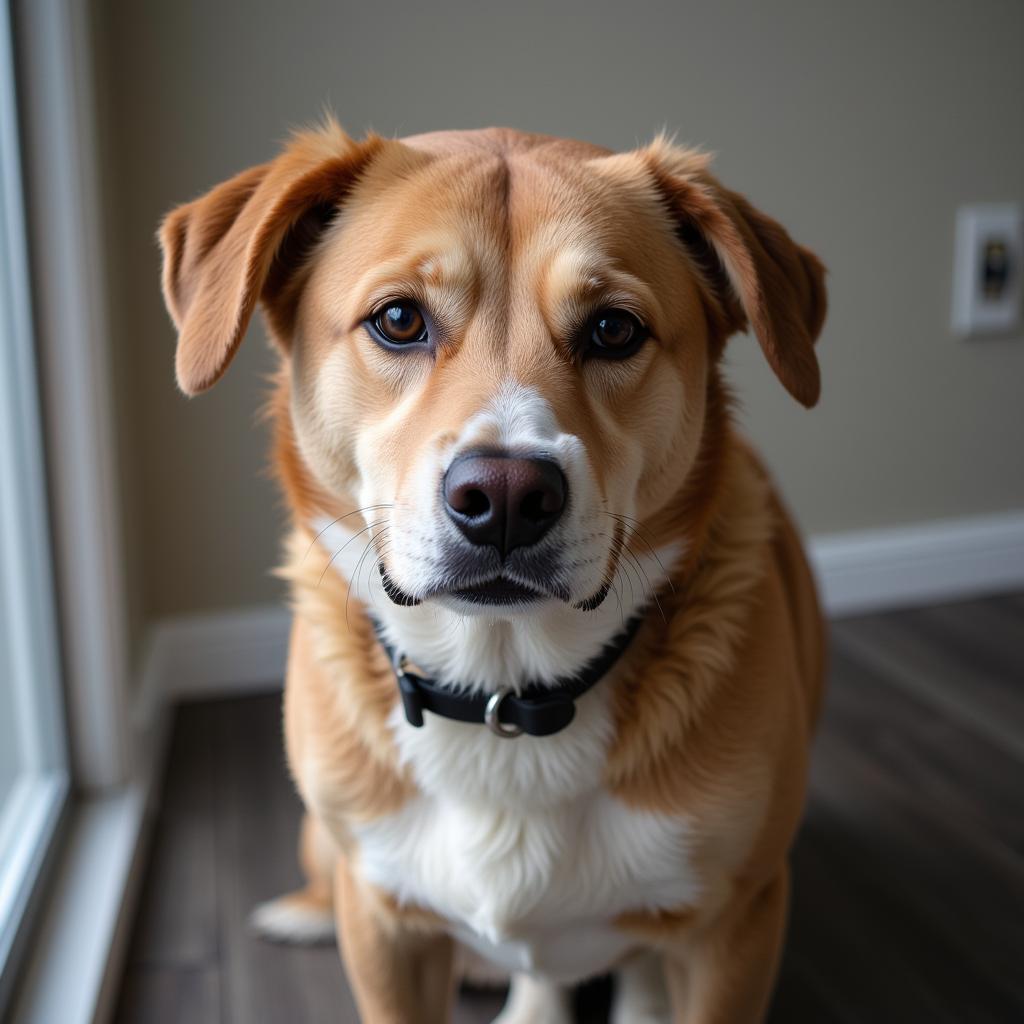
point(502, 500)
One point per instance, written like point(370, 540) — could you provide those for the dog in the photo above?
point(556, 655)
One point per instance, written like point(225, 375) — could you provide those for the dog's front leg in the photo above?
point(726, 975)
point(399, 973)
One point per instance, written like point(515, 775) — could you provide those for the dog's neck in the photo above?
point(547, 642)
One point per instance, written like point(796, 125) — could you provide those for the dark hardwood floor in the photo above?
point(908, 902)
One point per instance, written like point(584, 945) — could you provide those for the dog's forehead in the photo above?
point(498, 193)
point(504, 141)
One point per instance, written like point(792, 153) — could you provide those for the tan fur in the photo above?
point(506, 238)
point(398, 973)
point(339, 747)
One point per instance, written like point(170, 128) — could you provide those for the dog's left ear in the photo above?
point(243, 241)
point(758, 273)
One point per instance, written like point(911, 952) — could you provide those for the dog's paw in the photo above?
point(640, 1012)
point(641, 996)
point(532, 1001)
point(627, 1016)
point(297, 919)
point(547, 1015)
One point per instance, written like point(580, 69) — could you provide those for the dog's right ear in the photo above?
point(755, 273)
point(240, 242)
point(776, 286)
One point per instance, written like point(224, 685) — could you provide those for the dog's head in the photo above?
point(500, 347)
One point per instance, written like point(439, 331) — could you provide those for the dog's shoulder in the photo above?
point(713, 715)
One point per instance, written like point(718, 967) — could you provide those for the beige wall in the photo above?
point(861, 126)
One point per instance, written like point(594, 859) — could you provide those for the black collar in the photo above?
point(537, 709)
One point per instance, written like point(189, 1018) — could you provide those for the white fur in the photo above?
point(484, 648)
point(641, 994)
point(547, 637)
point(532, 888)
point(515, 840)
point(535, 1001)
point(285, 920)
point(503, 647)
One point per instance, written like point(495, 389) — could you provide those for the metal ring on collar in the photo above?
point(492, 719)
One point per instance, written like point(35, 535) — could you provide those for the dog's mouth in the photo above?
point(498, 591)
point(525, 579)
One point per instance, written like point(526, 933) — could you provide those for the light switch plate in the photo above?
point(988, 275)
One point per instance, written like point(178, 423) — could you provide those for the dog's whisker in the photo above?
point(623, 565)
point(330, 561)
point(618, 601)
point(378, 561)
point(355, 575)
point(649, 586)
point(334, 522)
point(641, 571)
point(635, 526)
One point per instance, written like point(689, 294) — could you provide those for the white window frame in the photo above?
point(32, 811)
point(116, 718)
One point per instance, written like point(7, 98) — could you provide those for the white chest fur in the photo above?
point(515, 842)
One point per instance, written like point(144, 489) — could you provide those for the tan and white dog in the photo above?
point(504, 438)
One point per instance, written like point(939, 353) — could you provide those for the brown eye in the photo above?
point(615, 334)
point(400, 323)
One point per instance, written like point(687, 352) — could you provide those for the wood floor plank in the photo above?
point(839, 937)
point(1012, 603)
point(949, 897)
point(989, 636)
point(170, 995)
point(258, 825)
point(177, 922)
point(937, 670)
point(478, 1006)
point(801, 994)
point(947, 763)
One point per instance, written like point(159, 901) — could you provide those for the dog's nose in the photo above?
point(502, 500)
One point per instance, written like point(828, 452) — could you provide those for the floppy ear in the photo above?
point(758, 273)
point(241, 242)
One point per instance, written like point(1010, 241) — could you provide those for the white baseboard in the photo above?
point(924, 563)
point(220, 654)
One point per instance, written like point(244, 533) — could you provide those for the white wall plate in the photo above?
point(988, 275)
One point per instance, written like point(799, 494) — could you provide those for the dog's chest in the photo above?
point(517, 845)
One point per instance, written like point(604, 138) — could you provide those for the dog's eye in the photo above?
point(615, 334)
point(400, 323)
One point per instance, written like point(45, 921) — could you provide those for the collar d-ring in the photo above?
point(492, 716)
